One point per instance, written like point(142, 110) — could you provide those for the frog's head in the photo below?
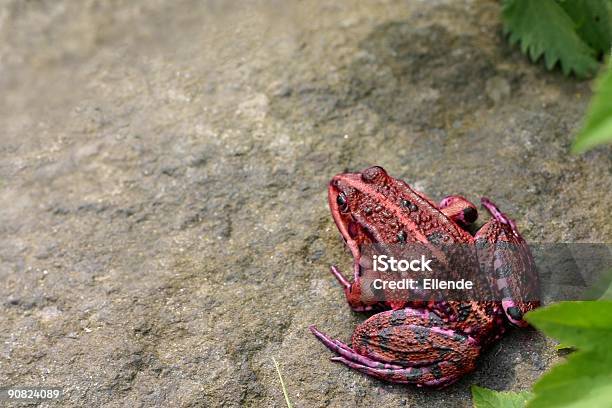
point(352, 203)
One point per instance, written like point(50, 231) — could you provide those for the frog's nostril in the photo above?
point(373, 174)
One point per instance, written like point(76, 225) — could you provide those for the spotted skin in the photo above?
point(426, 343)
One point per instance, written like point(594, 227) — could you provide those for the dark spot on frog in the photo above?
point(409, 205)
point(364, 340)
point(459, 338)
point(414, 374)
point(437, 237)
point(436, 371)
point(384, 337)
point(464, 312)
point(458, 364)
point(515, 313)
point(421, 334)
point(434, 319)
point(398, 317)
point(401, 237)
point(367, 211)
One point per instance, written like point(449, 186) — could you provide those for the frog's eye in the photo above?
point(342, 202)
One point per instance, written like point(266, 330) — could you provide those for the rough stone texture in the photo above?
point(163, 166)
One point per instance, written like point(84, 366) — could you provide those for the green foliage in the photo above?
point(563, 346)
point(585, 379)
point(597, 128)
point(485, 398)
point(571, 32)
point(592, 22)
point(607, 295)
point(585, 325)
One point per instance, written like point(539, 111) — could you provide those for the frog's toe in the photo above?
point(339, 277)
point(516, 310)
point(346, 352)
point(459, 209)
point(498, 215)
point(435, 375)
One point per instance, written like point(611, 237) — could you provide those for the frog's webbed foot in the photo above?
point(459, 209)
point(401, 346)
point(504, 256)
point(346, 352)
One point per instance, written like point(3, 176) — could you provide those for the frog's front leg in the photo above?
point(352, 291)
point(402, 346)
point(505, 257)
point(459, 209)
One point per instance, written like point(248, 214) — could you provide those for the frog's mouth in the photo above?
point(344, 220)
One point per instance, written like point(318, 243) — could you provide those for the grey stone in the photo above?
point(166, 163)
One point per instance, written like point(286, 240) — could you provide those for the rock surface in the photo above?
point(163, 165)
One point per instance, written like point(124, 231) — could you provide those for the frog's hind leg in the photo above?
point(437, 375)
point(434, 375)
point(499, 216)
point(506, 258)
point(402, 346)
point(459, 209)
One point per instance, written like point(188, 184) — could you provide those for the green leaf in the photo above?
point(607, 295)
point(543, 28)
point(597, 128)
point(586, 325)
point(563, 346)
point(486, 398)
point(584, 381)
point(592, 19)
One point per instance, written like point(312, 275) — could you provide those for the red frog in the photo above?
point(427, 343)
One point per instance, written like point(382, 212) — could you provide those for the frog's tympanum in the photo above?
point(427, 343)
